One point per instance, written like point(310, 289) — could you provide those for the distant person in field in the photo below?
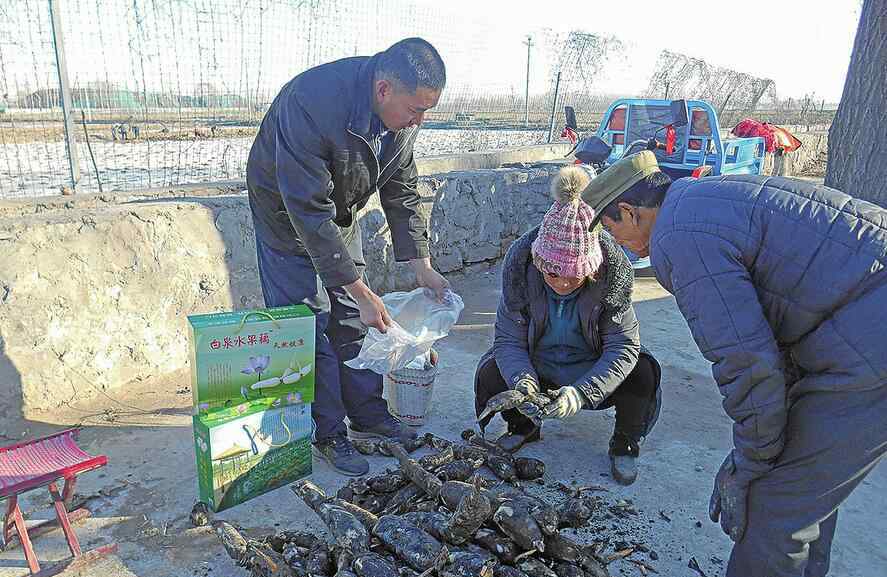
point(334, 136)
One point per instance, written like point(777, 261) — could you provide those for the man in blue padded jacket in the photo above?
point(783, 284)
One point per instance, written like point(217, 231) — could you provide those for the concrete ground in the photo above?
point(142, 499)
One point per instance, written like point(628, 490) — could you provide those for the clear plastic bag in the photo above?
point(418, 321)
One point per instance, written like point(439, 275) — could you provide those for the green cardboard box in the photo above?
point(243, 457)
point(244, 357)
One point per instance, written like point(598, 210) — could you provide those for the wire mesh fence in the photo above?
point(171, 92)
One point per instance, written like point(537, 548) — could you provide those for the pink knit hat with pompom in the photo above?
point(566, 245)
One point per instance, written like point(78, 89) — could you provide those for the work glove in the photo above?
point(729, 499)
point(527, 385)
point(568, 402)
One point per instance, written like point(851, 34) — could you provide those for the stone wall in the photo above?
point(809, 160)
point(473, 215)
point(95, 290)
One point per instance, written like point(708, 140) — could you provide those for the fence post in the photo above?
point(529, 44)
point(64, 92)
point(557, 89)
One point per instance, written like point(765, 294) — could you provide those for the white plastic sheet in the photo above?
point(418, 321)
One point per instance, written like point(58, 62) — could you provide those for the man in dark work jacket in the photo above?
point(335, 135)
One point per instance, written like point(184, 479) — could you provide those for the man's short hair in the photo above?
point(413, 62)
point(648, 192)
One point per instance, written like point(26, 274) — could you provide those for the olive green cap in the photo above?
point(619, 177)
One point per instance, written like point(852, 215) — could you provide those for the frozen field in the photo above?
point(41, 168)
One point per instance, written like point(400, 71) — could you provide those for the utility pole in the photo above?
point(65, 92)
point(557, 91)
point(529, 43)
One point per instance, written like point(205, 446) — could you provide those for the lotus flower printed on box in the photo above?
point(241, 358)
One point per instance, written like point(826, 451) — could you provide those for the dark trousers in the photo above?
point(633, 399)
point(338, 391)
point(833, 440)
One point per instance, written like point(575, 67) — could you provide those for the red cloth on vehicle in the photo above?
point(748, 128)
point(774, 136)
point(784, 139)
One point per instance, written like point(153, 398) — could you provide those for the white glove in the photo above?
point(568, 402)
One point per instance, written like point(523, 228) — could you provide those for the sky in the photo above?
point(803, 45)
point(254, 46)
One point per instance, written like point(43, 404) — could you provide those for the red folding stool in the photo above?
point(41, 463)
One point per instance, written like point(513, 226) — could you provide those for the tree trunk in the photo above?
point(857, 139)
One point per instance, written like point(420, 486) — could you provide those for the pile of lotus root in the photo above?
point(438, 515)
